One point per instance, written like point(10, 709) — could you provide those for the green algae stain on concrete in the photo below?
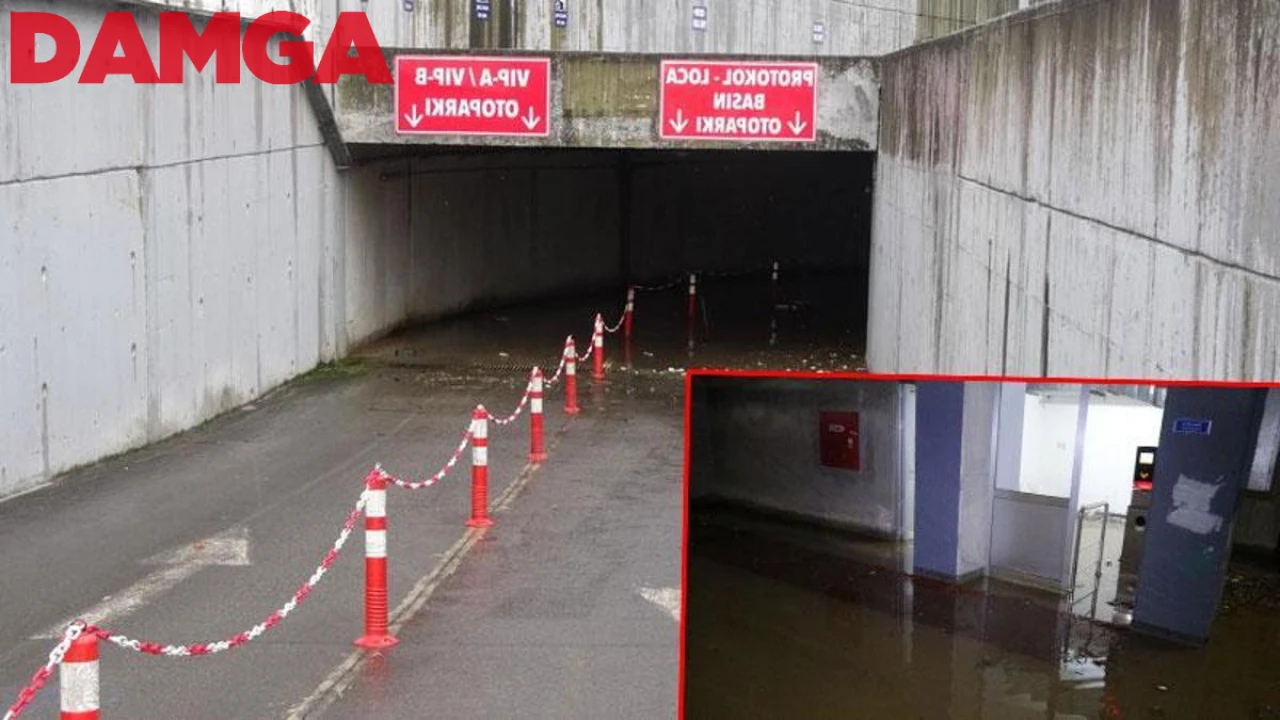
point(356, 94)
point(596, 87)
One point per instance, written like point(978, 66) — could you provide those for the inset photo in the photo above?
point(878, 546)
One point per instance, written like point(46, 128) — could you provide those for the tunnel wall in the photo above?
point(731, 211)
point(733, 26)
point(1087, 189)
point(466, 231)
point(167, 252)
point(762, 438)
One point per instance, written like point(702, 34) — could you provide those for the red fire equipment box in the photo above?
point(838, 443)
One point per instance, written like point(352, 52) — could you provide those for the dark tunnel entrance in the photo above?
point(489, 229)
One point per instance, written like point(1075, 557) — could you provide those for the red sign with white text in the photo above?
point(467, 95)
point(738, 101)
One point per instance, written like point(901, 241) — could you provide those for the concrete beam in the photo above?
point(611, 101)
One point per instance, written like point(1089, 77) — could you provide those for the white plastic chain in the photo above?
point(591, 346)
point(448, 466)
point(528, 389)
point(617, 327)
point(664, 286)
point(197, 649)
point(556, 378)
point(28, 693)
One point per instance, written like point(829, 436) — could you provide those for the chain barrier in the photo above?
point(704, 273)
point(448, 466)
point(528, 389)
point(658, 288)
point(559, 370)
point(300, 596)
point(37, 683)
point(735, 273)
point(79, 628)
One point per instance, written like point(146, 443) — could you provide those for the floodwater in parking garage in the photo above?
point(815, 321)
point(784, 621)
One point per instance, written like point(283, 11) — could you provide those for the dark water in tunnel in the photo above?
point(814, 321)
point(784, 623)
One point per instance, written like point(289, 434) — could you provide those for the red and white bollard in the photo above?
point(627, 312)
point(78, 678)
point(376, 635)
point(626, 326)
point(597, 349)
point(479, 469)
point(693, 305)
point(570, 378)
point(537, 445)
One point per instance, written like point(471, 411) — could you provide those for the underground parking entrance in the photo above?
point(479, 249)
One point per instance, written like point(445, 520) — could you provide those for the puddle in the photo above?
point(738, 327)
point(783, 623)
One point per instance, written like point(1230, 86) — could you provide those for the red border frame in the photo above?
point(691, 373)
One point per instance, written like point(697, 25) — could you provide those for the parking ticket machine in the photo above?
point(1135, 526)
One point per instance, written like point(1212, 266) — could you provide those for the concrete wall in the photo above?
point(463, 232)
point(762, 440)
point(1114, 431)
point(722, 211)
point(1087, 189)
point(977, 475)
point(1257, 523)
point(775, 27)
point(166, 253)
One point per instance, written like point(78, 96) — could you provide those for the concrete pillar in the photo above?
point(1205, 452)
point(954, 481)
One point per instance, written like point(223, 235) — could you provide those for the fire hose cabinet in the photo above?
point(839, 445)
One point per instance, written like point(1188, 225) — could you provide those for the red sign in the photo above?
point(743, 101)
point(467, 95)
point(838, 444)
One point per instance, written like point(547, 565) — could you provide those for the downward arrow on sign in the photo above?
point(679, 123)
point(531, 120)
point(798, 125)
point(413, 117)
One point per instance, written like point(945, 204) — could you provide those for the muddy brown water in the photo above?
point(781, 625)
point(814, 322)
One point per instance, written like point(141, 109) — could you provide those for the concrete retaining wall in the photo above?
point(775, 27)
point(1084, 189)
point(759, 440)
point(166, 253)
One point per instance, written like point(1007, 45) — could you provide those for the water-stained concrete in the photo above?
point(1083, 189)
